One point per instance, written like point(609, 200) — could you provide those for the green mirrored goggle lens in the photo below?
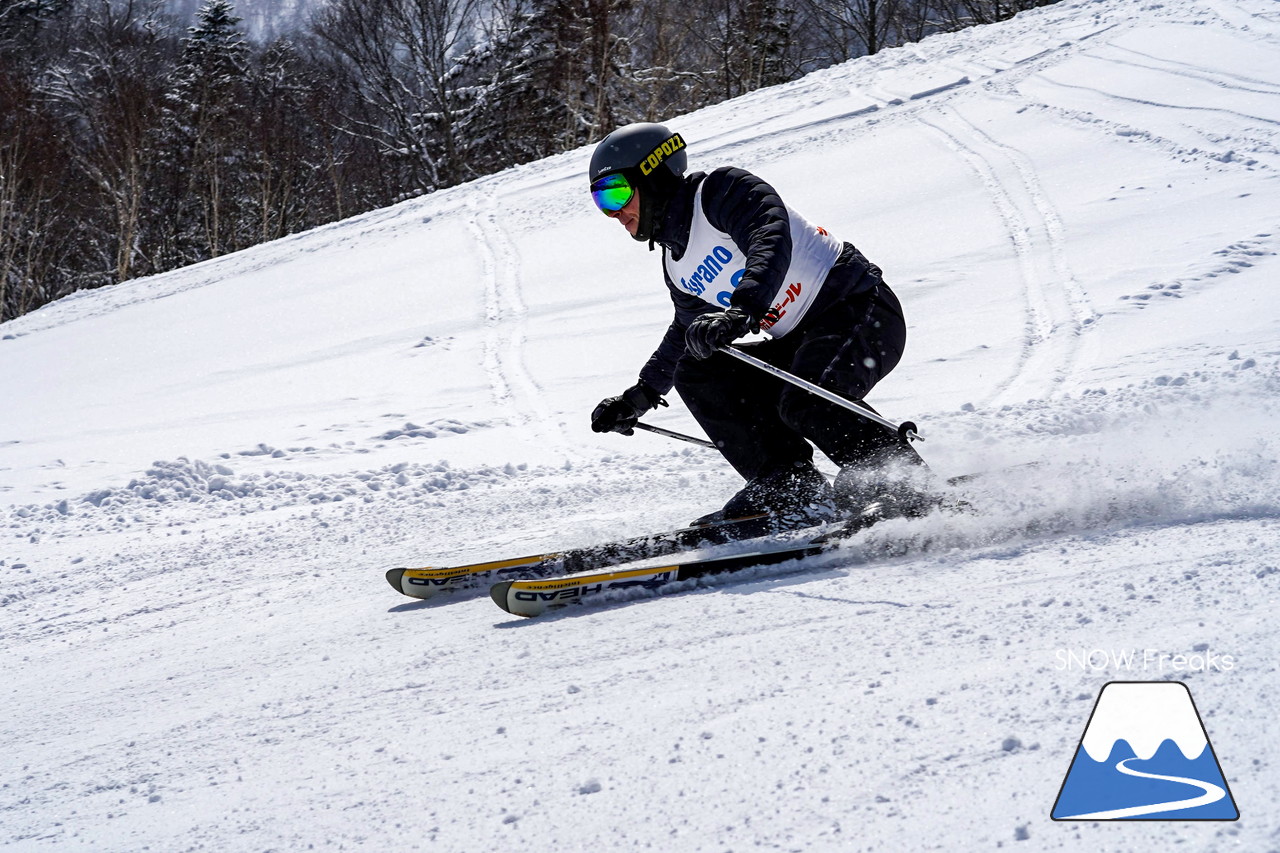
point(611, 193)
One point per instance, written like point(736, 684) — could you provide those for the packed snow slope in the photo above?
point(203, 476)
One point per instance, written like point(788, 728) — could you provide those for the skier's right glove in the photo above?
point(708, 332)
point(619, 414)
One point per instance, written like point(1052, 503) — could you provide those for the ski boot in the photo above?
point(789, 497)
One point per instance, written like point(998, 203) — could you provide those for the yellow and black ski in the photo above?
point(534, 597)
point(430, 580)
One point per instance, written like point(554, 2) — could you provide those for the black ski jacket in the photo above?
point(751, 212)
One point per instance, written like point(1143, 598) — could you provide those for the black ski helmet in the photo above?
point(652, 158)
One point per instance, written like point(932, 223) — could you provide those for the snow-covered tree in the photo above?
point(111, 89)
point(850, 28)
point(206, 132)
point(21, 21)
point(400, 55)
point(35, 212)
point(546, 76)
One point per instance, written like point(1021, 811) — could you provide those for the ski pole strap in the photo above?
point(906, 430)
point(657, 430)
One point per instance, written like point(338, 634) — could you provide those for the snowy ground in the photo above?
point(1079, 209)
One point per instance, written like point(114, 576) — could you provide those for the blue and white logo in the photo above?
point(1145, 755)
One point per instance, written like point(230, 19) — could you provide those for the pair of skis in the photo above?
point(528, 586)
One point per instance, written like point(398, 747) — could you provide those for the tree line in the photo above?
point(131, 145)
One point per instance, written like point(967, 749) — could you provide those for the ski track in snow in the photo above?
point(497, 339)
point(1063, 285)
point(506, 328)
point(1055, 305)
point(1143, 102)
point(1164, 65)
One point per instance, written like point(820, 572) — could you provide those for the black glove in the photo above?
point(708, 332)
point(619, 414)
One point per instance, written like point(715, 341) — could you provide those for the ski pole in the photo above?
point(657, 430)
point(906, 430)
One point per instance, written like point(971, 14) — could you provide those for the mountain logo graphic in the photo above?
point(1145, 755)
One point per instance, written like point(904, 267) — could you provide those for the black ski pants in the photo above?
point(761, 423)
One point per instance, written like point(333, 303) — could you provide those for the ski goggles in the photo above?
point(612, 193)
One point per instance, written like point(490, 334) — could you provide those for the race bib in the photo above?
point(713, 265)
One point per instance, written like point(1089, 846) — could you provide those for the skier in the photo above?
point(738, 260)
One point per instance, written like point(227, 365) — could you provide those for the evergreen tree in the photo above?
point(509, 108)
point(766, 30)
point(544, 78)
point(206, 136)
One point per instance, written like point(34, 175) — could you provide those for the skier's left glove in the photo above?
point(620, 413)
point(708, 332)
